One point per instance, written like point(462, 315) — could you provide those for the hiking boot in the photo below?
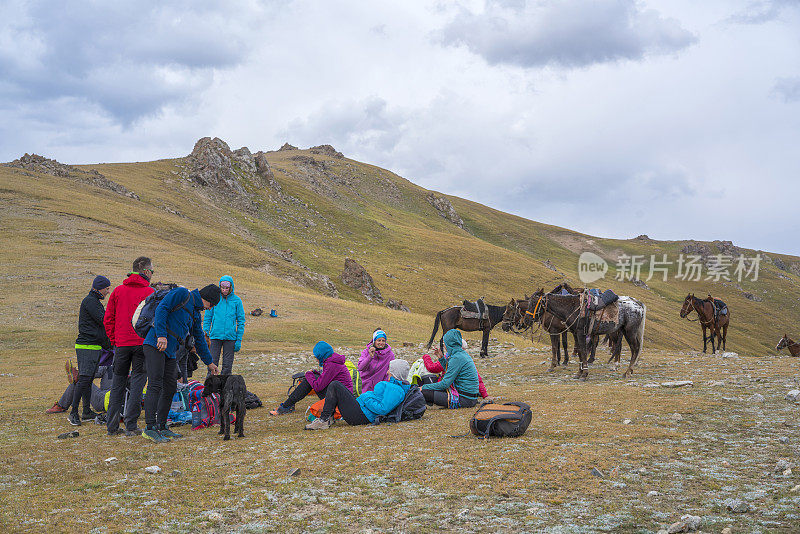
point(100, 419)
point(167, 433)
point(55, 409)
point(281, 410)
point(74, 420)
point(153, 435)
point(89, 416)
point(135, 432)
point(320, 424)
point(116, 432)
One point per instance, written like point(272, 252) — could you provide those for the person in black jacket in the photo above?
point(91, 339)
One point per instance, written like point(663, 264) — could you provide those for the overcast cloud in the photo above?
point(683, 116)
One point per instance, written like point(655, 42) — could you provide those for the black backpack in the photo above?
point(412, 407)
point(145, 315)
point(501, 420)
point(251, 400)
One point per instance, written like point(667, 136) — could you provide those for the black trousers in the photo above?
point(87, 367)
point(442, 398)
point(301, 391)
point(338, 396)
point(161, 386)
point(126, 359)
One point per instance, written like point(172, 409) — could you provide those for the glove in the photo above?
point(238, 346)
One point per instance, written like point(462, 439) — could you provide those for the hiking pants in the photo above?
point(161, 387)
point(126, 359)
point(88, 360)
point(182, 359)
point(301, 391)
point(98, 396)
point(442, 398)
point(225, 346)
point(338, 396)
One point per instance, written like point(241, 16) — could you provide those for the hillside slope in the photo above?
point(283, 222)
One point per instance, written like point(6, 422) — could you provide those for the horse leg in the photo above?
point(633, 342)
point(566, 347)
point(724, 337)
point(704, 338)
point(485, 344)
point(554, 348)
point(712, 331)
point(583, 371)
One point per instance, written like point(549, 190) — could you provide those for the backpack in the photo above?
point(205, 412)
point(251, 400)
point(419, 375)
point(355, 375)
point(315, 410)
point(412, 407)
point(145, 314)
point(510, 419)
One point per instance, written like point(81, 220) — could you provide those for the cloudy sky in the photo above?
point(616, 118)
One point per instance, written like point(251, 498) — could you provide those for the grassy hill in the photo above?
point(284, 238)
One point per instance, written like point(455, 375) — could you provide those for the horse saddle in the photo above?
point(720, 308)
point(474, 310)
point(597, 300)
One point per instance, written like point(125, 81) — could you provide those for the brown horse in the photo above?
point(451, 318)
point(516, 316)
point(786, 343)
point(705, 314)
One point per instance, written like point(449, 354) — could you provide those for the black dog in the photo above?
point(231, 391)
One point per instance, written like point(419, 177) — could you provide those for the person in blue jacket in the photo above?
point(459, 387)
point(364, 409)
point(224, 325)
point(177, 314)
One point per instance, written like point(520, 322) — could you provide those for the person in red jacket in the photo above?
point(439, 368)
point(128, 356)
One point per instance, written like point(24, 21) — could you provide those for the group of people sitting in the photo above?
point(109, 347)
point(385, 381)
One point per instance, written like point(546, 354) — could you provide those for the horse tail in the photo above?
point(640, 329)
point(435, 328)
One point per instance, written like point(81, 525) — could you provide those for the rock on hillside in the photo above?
point(327, 150)
point(212, 164)
point(445, 209)
point(40, 164)
point(355, 276)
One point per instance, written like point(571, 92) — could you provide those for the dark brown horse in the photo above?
point(451, 318)
point(705, 314)
point(516, 317)
point(787, 343)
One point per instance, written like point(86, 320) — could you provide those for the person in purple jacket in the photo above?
point(333, 369)
point(374, 361)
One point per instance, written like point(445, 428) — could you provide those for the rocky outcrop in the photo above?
point(327, 150)
point(639, 283)
point(287, 146)
point(40, 164)
point(262, 165)
point(397, 305)
point(550, 265)
point(211, 164)
point(355, 276)
point(696, 249)
point(445, 209)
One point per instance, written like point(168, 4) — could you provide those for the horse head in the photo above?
point(536, 306)
point(509, 315)
point(687, 307)
point(783, 343)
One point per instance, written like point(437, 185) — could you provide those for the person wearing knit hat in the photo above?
point(382, 400)
point(177, 315)
point(374, 361)
point(92, 338)
point(334, 371)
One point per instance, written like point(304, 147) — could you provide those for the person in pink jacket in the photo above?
point(374, 361)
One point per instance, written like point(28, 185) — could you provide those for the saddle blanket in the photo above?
point(465, 314)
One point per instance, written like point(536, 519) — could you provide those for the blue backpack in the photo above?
point(145, 315)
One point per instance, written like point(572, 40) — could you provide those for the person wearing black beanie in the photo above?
point(211, 294)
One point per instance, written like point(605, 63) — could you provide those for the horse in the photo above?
point(787, 343)
point(629, 321)
point(451, 318)
point(705, 314)
point(516, 316)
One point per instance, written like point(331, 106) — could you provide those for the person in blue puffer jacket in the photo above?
point(382, 400)
point(224, 325)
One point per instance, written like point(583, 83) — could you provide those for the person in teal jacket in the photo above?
point(382, 400)
point(224, 325)
point(458, 388)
